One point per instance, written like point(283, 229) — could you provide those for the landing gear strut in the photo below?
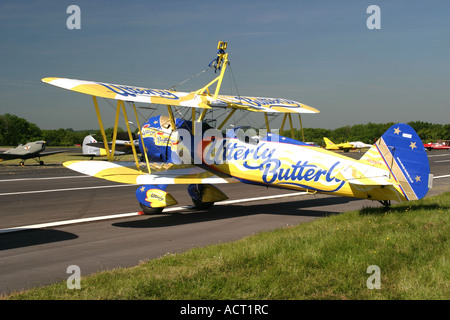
point(385, 203)
point(196, 192)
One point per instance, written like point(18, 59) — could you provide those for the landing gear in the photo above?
point(205, 195)
point(385, 203)
point(150, 211)
point(153, 198)
point(199, 205)
point(22, 163)
point(196, 193)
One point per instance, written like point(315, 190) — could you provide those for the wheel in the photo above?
point(22, 163)
point(202, 205)
point(149, 210)
point(41, 163)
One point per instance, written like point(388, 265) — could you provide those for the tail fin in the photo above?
point(90, 150)
point(328, 143)
point(401, 151)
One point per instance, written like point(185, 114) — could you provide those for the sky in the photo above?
point(320, 53)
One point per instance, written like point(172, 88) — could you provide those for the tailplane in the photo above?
point(401, 151)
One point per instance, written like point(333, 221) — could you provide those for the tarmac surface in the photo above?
point(40, 255)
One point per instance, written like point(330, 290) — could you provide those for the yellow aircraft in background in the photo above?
point(330, 145)
point(346, 146)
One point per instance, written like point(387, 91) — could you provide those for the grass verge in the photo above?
point(324, 259)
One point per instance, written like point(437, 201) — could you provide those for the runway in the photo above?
point(34, 195)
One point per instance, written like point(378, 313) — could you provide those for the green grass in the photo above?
point(324, 259)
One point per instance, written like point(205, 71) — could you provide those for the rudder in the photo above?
point(403, 153)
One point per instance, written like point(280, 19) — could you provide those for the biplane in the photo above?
point(189, 150)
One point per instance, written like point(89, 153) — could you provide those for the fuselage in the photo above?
point(272, 160)
point(286, 163)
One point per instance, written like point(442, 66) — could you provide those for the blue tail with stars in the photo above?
point(403, 152)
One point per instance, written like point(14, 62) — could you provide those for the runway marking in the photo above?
point(439, 155)
point(66, 189)
point(443, 161)
point(110, 186)
point(444, 176)
point(48, 178)
point(133, 214)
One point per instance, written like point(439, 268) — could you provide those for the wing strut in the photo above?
point(221, 63)
point(102, 129)
point(110, 152)
point(301, 126)
point(142, 139)
point(286, 115)
point(130, 135)
point(267, 121)
point(226, 119)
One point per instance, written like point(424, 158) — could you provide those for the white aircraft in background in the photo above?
point(92, 148)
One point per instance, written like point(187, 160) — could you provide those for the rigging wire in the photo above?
point(188, 79)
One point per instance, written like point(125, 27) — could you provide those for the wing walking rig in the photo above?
point(179, 151)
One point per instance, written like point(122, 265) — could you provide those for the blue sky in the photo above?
point(320, 53)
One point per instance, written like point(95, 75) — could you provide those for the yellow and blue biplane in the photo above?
point(192, 152)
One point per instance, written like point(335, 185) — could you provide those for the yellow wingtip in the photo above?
point(48, 79)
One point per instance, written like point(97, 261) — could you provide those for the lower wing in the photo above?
point(126, 172)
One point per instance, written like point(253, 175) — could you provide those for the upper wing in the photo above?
point(126, 172)
point(130, 93)
point(175, 98)
point(260, 104)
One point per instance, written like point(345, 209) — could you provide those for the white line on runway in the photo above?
point(132, 214)
point(67, 189)
point(439, 155)
point(443, 161)
point(48, 178)
point(100, 187)
point(444, 176)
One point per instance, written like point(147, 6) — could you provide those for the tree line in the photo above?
point(15, 131)
point(370, 132)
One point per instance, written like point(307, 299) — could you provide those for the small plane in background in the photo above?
point(92, 148)
point(346, 146)
point(441, 145)
point(31, 150)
